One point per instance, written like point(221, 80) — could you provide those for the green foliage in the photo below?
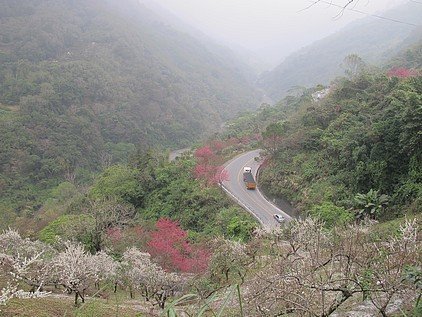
point(120, 182)
point(64, 191)
point(363, 135)
point(413, 275)
point(387, 228)
point(171, 191)
point(234, 224)
point(331, 214)
point(120, 152)
point(157, 188)
point(7, 215)
point(410, 58)
point(273, 134)
point(68, 227)
point(175, 194)
point(370, 204)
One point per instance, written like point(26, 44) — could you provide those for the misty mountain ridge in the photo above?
point(374, 40)
point(236, 55)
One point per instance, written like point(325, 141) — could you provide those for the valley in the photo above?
point(101, 215)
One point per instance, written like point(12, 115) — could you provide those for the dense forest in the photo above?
point(84, 83)
point(374, 40)
point(354, 147)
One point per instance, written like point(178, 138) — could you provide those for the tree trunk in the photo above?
point(161, 299)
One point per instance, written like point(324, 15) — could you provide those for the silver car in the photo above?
point(279, 218)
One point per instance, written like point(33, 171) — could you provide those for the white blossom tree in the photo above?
point(104, 268)
point(229, 260)
point(146, 276)
point(386, 264)
point(26, 260)
point(74, 270)
point(23, 260)
point(312, 272)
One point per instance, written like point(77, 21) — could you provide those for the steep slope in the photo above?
point(82, 82)
point(358, 145)
point(374, 40)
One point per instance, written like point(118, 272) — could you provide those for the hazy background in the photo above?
point(270, 29)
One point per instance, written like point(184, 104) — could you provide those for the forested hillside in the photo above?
point(374, 40)
point(351, 150)
point(83, 83)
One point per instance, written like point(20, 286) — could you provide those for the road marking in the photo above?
point(254, 198)
point(262, 203)
point(249, 192)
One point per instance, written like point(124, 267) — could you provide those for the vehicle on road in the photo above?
point(247, 169)
point(279, 218)
point(249, 180)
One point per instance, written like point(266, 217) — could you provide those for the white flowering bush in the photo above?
point(73, 269)
point(104, 268)
point(22, 260)
point(312, 271)
point(11, 291)
point(146, 276)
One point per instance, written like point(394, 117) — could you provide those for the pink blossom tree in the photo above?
point(169, 246)
point(402, 72)
point(208, 167)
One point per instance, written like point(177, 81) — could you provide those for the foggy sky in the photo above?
point(271, 29)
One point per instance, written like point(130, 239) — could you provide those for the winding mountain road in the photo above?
point(252, 200)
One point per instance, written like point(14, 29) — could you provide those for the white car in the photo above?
point(279, 218)
point(247, 169)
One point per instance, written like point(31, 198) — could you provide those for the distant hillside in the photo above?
point(238, 56)
point(84, 82)
point(411, 56)
point(374, 40)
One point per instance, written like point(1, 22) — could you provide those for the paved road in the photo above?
point(176, 153)
point(251, 200)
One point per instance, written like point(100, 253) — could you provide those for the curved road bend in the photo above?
point(251, 200)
